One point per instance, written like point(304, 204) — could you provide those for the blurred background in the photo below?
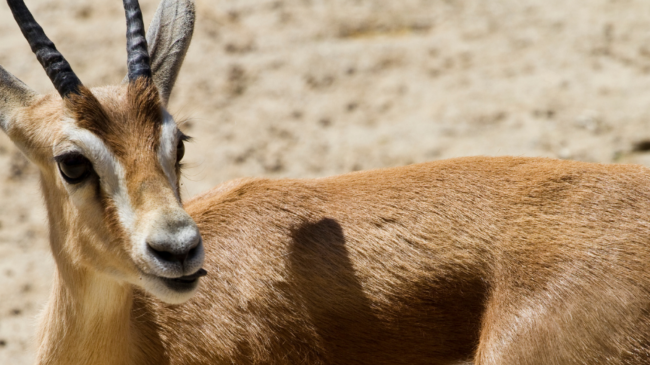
point(308, 88)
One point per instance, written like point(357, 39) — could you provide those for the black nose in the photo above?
point(167, 253)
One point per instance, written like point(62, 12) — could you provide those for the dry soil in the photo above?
point(307, 88)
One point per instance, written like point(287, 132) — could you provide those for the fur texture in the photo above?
point(500, 260)
point(474, 260)
point(484, 260)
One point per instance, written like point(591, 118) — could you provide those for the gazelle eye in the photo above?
point(74, 167)
point(180, 151)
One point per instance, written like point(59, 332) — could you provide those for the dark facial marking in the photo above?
point(136, 125)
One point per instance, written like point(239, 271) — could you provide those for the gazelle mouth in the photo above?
point(184, 283)
point(188, 279)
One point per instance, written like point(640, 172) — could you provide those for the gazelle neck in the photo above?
point(86, 321)
point(88, 317)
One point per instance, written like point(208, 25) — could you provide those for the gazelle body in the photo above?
point(473, 260)
point(495, 260)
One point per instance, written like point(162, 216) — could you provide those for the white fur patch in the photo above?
point(167, 150)
point(110, 171)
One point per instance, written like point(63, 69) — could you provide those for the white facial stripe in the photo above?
point(111, 172)
point(167, 150)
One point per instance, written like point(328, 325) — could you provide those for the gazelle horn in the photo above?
point(57, 68)
point(136, 43)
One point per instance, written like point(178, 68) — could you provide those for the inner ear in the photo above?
point(14, 95)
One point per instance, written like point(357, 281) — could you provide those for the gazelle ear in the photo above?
point(168, 39)
point(14, 94)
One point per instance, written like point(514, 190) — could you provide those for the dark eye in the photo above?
point(74, 168)
point(180, 151)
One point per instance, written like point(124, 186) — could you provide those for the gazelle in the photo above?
point(473, 260)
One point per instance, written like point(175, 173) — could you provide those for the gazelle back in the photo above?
point(472, 260)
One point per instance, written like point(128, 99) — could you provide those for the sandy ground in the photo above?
point(306, 88)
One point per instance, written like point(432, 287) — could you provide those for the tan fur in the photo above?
point(508, 260)
point(121, 127)
point(13, 94)
point(500, 260)
point(91, 318)
point(473, 260)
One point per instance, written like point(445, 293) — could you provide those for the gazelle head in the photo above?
point(110, 157)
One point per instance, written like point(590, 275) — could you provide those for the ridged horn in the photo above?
point(57, 68)
point(136, 44)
